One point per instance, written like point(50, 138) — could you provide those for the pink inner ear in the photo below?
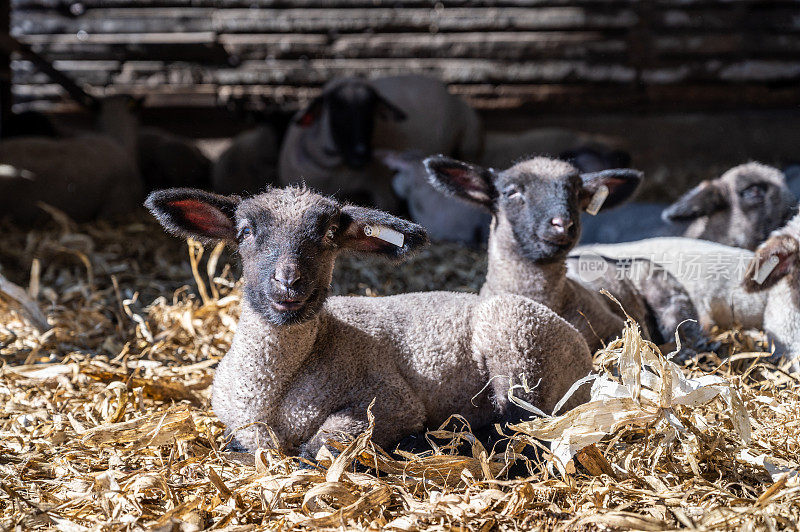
point(203, 216)
point(463, 178)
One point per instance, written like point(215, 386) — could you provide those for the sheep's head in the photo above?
point(739, 208)
point(351, 106)
point(288, 239)
point(540, 198)
point(776, 258)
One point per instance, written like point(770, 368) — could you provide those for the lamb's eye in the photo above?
point(246, 232)
point(753, 193)
point(511, 191)
point(331, 233)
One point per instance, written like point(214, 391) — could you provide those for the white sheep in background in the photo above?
point(730, 286)
point(445, 218)
point(330, 144)
point(304, 366)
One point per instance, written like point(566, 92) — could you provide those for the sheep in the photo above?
point(86, 176)
point(304, 366)
point(249, 164)
point(723, 282)
point(330, 144)
point(739, 208)
point(589, 153)
point(443, 217)
point(535, 206)
point(168, 160)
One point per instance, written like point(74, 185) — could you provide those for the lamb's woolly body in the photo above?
point(712, 275)
point(421, 356)
point(437, 122)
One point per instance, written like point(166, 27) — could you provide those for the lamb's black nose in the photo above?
point(287, 275)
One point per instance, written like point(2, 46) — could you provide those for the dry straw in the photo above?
point(106, 424)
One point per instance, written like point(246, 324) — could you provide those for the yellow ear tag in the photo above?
point(765, 269)
point(386, 234)
point(597, 200)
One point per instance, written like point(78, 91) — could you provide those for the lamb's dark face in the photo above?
point(352, 107)
point(288, 244)
point(539, 199)
point(740, 208)
point(288, 239)
point(542, 200)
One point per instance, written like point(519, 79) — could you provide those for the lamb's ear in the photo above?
point(311, 113)
point(389, 111)
point(703, 200)
point(189, 212)
point(462, 180)
point(773, 260)
point(620, 182)
point(373, 231)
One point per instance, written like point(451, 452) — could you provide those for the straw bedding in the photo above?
point(105, 421)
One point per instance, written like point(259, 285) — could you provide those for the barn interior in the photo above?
point(111, 329)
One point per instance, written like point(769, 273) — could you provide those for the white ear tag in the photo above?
point(765, 269)
point(385, 234)
point(597, 200)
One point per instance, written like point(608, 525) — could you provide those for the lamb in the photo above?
point(86, 176)
point(732, 287)
point(739, 208)
point(168, 160)
point(330, 144)
point(443, 217)
point(249, 164)
point(535, 206)
point(306, 365)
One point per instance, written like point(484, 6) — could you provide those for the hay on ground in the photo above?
point(106, 422)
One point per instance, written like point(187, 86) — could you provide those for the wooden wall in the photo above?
point(541, 54)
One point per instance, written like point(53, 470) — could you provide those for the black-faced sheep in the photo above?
point(331, 142)
point(306, 365)
point(535, 206)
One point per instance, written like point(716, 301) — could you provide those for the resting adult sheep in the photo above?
point(306, 365)
point(87, 176)
point(535, 206)
point(739, 208)
point(169, 160)
point(330, 144)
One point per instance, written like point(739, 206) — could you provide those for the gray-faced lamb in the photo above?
point(306, 365)
point(249, 164)
point(535, 206)
point(729, 286)
point(739, 208)
point(86, 176)
point(444, 217)
point(330, 144)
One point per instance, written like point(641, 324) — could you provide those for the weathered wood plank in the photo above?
point(224, 4)
point(157, 20)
